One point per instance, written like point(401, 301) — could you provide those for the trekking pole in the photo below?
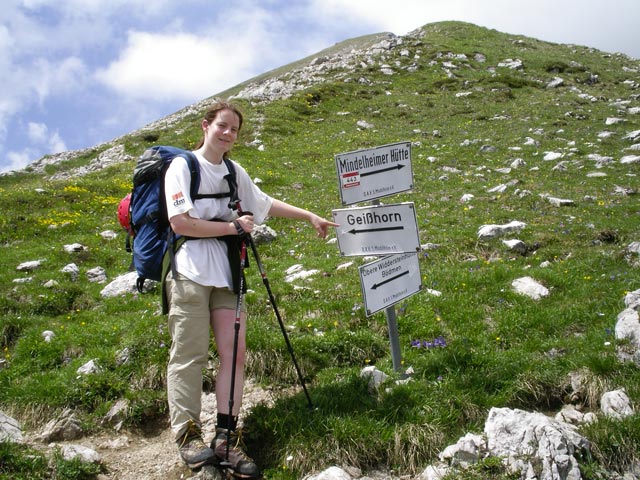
point(265, 280)
point(236, 335)
point(272, 300)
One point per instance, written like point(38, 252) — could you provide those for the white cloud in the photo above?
point(8, 107)
point(41, 141)
point(56, 144)
point(61, 77)
point(158, 67)
point(16, 161)
point(31, 70)
point(82, 8)
point(39, 135)
point(226, 48)
point(30, 85)
point(398, 17)
point(50, 27)
point(37, 132)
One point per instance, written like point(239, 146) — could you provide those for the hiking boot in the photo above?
point(241, 464)
point(192, 448)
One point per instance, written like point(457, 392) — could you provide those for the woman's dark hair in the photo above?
point(213, 111)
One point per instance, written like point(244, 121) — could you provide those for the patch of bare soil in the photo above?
point(154, 455)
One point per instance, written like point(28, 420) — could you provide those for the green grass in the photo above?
point(20, 462)
point(501, 349)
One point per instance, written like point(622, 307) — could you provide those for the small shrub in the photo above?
point(490, 468)
point(150, 137)
point(74, 469)
point(21, 462)
point(615, 444)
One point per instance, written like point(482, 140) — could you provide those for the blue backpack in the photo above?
point(150, 232)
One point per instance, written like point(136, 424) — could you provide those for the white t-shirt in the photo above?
point(205, 260)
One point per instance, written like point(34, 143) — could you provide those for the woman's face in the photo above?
point(222, 132)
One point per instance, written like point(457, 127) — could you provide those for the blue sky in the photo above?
point(76, 73)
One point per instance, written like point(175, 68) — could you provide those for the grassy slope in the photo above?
point(501, 349)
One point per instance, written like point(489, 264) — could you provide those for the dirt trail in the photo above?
point(136, 457)
point(154, 456)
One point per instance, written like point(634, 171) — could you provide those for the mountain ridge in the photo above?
point(358, 44)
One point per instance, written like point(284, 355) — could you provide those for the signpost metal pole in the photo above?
point(392, 328)
point(394, 338)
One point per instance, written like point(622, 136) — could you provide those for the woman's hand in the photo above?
point(246, 222)
point(321, 225)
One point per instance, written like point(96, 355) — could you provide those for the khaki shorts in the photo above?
point(219, 297)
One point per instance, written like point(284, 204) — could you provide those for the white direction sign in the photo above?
point(377, 230)
point(368, 174)
point(389, 280)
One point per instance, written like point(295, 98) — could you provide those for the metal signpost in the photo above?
point(378, 230)
point(391, 230)
point(365, 175)
point(389, 280)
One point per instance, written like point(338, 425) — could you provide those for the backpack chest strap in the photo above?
point(198, 196)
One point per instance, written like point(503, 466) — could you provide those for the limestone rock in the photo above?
point(616, 404)
point(67, 427)
point(530, 287)
point(10, 430)
point(493, 231)
point(534, 444)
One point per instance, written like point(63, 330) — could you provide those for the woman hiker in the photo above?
point(200, 289)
